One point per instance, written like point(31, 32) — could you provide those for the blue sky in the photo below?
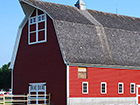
point(12, 15)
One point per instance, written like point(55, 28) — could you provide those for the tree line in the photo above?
point(5, 77)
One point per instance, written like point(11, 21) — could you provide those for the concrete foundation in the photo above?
point(102, 101)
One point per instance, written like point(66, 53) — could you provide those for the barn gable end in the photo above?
point(39, 63)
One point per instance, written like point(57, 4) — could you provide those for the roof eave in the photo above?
point(104, 66)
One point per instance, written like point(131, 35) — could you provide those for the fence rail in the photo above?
point(25, 99)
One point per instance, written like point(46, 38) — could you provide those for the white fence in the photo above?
point(25, 99)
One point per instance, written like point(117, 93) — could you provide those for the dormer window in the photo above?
point(41, 18)
point(33, 20)
point(37, 28)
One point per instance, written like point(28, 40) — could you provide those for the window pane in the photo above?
point(43, 17)
point(120, 88)
point(132, 88)
point(31, 20)
point(34, 87)
point(85, 91)
point(39, 18)
point(34, 19)
point(84, 84)
point(103, 89)
point(85, 88)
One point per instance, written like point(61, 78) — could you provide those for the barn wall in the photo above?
point(97, 75)
point(38, 63)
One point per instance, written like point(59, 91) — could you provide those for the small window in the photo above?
point(103, 88)
point(82, 72)
point(33, 20)
point(132, 88)
point(41, 18)
point(120, 88)
point(85, 87)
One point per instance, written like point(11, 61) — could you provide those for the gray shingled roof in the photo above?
point(93, 37)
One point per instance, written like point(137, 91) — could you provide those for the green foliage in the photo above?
point(5, 77)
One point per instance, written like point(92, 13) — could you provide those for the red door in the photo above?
point(138, 94)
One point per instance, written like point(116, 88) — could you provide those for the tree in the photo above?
point(5, 77)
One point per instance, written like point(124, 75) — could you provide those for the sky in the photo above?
point(11, 15)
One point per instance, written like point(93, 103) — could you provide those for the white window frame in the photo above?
point(37, 21)
point(134, 88)
point(105, 88)
point(122, 87)
point(83, 87)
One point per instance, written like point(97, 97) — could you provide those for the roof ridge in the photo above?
point(115, 14)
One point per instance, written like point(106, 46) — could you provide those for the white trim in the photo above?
point(116, 67)
point(86, 88)
point(37, 25)
point(137, 95)
point(105, 88)
point(134, 88)
point(41, 30)
point(37, 83)
point(122, 87)
point(67, 85)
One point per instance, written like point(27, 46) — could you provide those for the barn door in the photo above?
point(138, 94)
point(37, 88)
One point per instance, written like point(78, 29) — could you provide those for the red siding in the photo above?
point(33, 14)
point(109, 75)
point(40, 12)
point(41, 62)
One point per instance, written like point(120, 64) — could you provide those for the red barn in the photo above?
point(80, 56)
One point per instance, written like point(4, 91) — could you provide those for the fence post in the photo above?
point(49, 98)
point(27, 99)
point(3, 99)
